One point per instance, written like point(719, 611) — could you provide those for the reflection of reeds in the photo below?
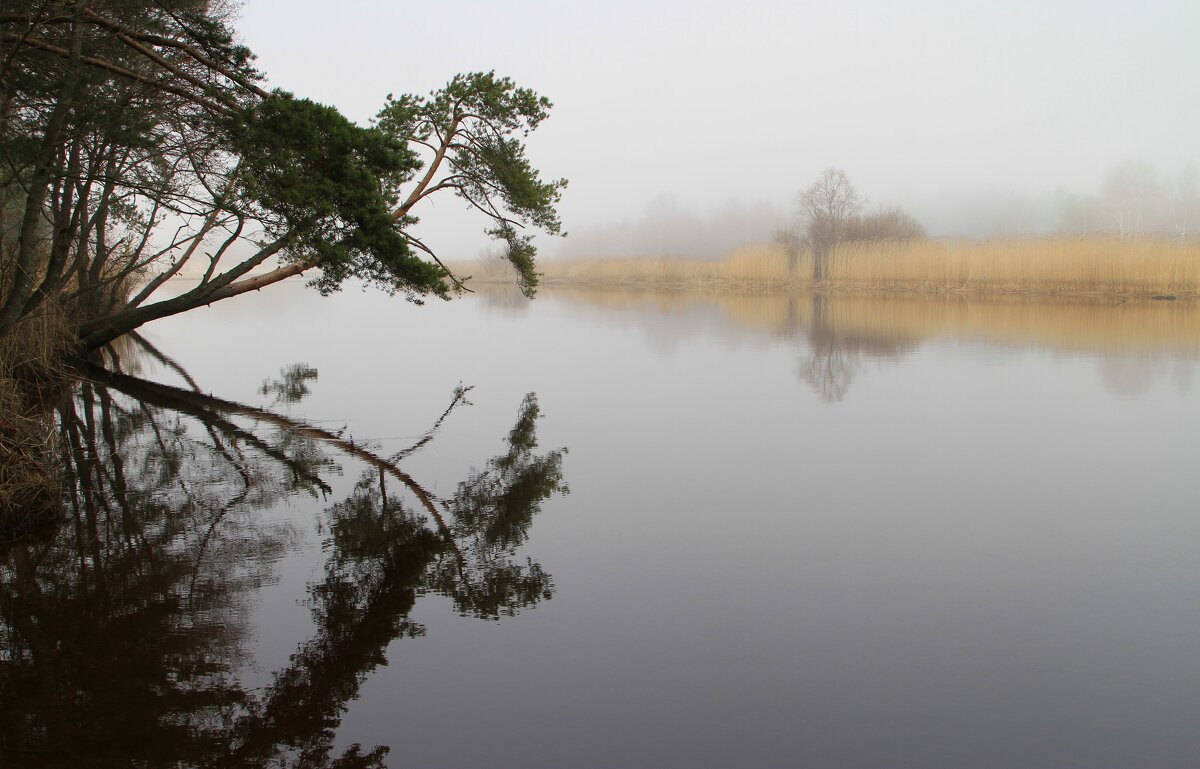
point(1060, 265)
point(1060, 323)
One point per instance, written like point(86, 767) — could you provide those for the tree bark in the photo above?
point(25, 265)
point(97, 333)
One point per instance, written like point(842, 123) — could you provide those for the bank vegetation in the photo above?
point(146, 171)
point(1052, 266)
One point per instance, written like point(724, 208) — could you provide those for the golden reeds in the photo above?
point(750, 266)
point(1058, 265)
point(31, 367)
point(1052, 265)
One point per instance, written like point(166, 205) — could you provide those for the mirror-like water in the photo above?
point(622, 529)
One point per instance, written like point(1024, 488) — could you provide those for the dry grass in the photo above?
point(1060, 265)
point(1051, 265)
point(751, 266)
point(30, 372)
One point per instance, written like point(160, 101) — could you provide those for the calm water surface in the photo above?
point(623, 530)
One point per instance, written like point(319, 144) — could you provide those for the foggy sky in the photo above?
point(706, 102)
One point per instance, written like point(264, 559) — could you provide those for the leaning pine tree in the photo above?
point(136, 140)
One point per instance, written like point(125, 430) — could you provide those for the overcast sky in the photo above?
point(711, 101)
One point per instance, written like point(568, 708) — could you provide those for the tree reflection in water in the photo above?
point(122, 633)
point(836, 357)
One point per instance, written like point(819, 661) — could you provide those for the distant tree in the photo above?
point(825, 205)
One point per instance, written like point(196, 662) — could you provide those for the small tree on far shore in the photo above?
point(825, 205)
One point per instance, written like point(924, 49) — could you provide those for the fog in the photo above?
point(978, 118)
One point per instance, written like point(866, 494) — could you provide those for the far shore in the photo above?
point(1101, 268)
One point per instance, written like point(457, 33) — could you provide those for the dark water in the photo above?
point(622, 530)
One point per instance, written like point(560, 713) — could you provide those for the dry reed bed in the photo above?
point(1061, 265)
point(1052, 265)
point(31, 370)
point(761, 266)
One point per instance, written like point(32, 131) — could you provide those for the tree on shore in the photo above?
point(825, 205)
point(136, 140)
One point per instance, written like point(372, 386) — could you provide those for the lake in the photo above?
point(622, 529)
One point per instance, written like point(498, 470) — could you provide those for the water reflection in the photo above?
point(835, 355)
point(841, 336)
point(124, 631)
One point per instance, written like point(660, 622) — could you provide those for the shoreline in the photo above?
point(793, 287)
point(1083, 266)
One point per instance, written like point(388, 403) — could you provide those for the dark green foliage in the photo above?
point(492, 512)
point(519, 252)
point(366, 527)
point(120, 121)
point(114, 115)
point(469, 126)
point(292, 384)
point(330, 185)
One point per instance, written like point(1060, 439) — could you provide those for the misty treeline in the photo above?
point(670, 228)
point(138, 144)
point(1136, 200)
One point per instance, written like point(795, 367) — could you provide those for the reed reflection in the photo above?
point(1133, 342)
point(124, 630)
point(836, 355)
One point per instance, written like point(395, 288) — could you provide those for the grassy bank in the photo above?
point(1052, 266)
point(31, 373)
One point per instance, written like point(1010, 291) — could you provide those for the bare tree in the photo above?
point(825, 205)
